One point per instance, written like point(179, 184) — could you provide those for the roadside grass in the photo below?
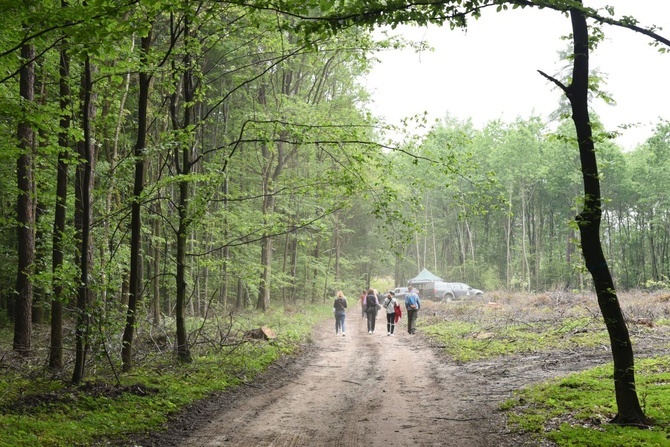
point(466, 341)
point(39, 410)
point(574, 410)
point(472, 330)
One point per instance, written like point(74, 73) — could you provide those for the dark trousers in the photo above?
point(372, 317)
point(390, 322)
point(411, 320)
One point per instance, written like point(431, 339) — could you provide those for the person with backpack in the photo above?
point(371, 307)
point(412, 304)
point(390, 304)
point(339, 308)
point(362, 301)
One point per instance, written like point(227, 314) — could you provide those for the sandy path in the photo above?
point(364, 390)
point(374, 390)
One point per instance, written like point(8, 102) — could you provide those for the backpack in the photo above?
point(370, 301)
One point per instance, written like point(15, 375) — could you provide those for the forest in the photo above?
point(164, 162)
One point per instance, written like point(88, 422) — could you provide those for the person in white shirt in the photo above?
point(390, 304)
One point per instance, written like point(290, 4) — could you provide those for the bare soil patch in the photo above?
point(372, 390)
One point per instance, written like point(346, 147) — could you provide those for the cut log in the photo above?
point(261, 333)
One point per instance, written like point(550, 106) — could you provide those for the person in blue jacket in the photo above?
point(412, 304)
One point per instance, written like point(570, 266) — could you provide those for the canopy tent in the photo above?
point(424, 277)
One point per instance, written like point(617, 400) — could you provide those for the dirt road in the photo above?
point(373, 390)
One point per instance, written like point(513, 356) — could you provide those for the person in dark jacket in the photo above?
point(371, 307)
point(339, 308)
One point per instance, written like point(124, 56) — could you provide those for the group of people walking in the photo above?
point(370, 306)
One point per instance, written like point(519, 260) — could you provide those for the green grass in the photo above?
point(574, 411)
point(75, 418)
point(468, 341)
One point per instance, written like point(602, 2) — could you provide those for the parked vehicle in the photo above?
point(400, 292)
point(449, 291)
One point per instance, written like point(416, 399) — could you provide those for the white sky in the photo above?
point(490, 71)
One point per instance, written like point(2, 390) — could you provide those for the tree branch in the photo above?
point(555, 81)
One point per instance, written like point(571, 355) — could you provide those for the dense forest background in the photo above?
point(161, 159)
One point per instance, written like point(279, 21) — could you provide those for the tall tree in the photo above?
point(83, 217)
point(184, 87)
point(56, 349)
point(25, 213)
point(135, 284)
point(589, 222)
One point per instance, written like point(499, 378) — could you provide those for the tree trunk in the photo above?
point(136, 209)
point(39, 294)
point(195, 300)
point(183, 159)
point(293, 274)
point(315, 271)
point(183, 352)
point(83, 188)
point(434, 241)
point(588, 220)
point(524, 250)
point(337, 246)
point(155, 281)
point(471, 244)
point(24, 212)
point(266, 265)
point(418, 252)
point(325, 282)
point(39, 208)
point(652, 246)
point(270, 174)
point(226, 249)
point(508, 244)
point(239, 299)
point(56, 349)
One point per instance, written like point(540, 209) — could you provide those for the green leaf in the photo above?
point(325, 5)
